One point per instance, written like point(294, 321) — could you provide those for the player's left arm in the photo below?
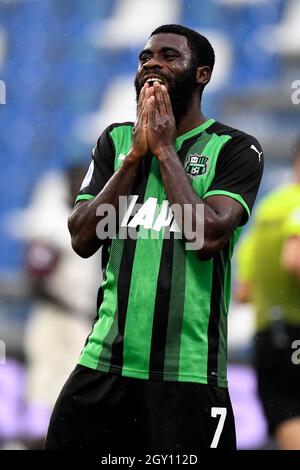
point(224, 208)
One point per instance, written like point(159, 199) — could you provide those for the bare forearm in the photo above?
point(83, 219)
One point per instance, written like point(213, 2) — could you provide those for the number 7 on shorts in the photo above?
point(217, 411)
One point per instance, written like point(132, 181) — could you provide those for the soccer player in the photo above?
point(152, 375)
point(268, 264)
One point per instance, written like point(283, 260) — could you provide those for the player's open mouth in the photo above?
point(153, 79)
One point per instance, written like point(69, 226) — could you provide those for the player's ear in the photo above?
point(203, 75)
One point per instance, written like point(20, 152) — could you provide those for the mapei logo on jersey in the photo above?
point(196, 165)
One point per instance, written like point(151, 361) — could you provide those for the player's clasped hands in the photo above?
point(155, 127)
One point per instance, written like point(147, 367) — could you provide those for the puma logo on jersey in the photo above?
point(255, 150)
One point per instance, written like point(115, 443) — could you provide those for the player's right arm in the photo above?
point(104, 186)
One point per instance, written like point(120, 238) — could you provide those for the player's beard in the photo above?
point(181, 92)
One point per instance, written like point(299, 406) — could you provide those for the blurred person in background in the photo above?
point(268, 273)
point(152, 375)
point(63, 289)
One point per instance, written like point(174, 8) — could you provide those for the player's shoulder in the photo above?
point(113, 133)
point(237, 136)
point(121, 126)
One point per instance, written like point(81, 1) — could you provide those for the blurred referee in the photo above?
point(268, 261)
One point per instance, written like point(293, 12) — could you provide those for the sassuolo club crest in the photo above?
point(196, 165)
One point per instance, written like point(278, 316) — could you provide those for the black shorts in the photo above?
point(110, 413)
point(278, 377)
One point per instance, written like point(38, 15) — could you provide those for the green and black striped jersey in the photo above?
point(162, 313)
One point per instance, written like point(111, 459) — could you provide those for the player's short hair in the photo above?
point(202, 50)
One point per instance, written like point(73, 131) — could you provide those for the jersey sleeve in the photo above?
point(101, 168)
point(238, 172)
